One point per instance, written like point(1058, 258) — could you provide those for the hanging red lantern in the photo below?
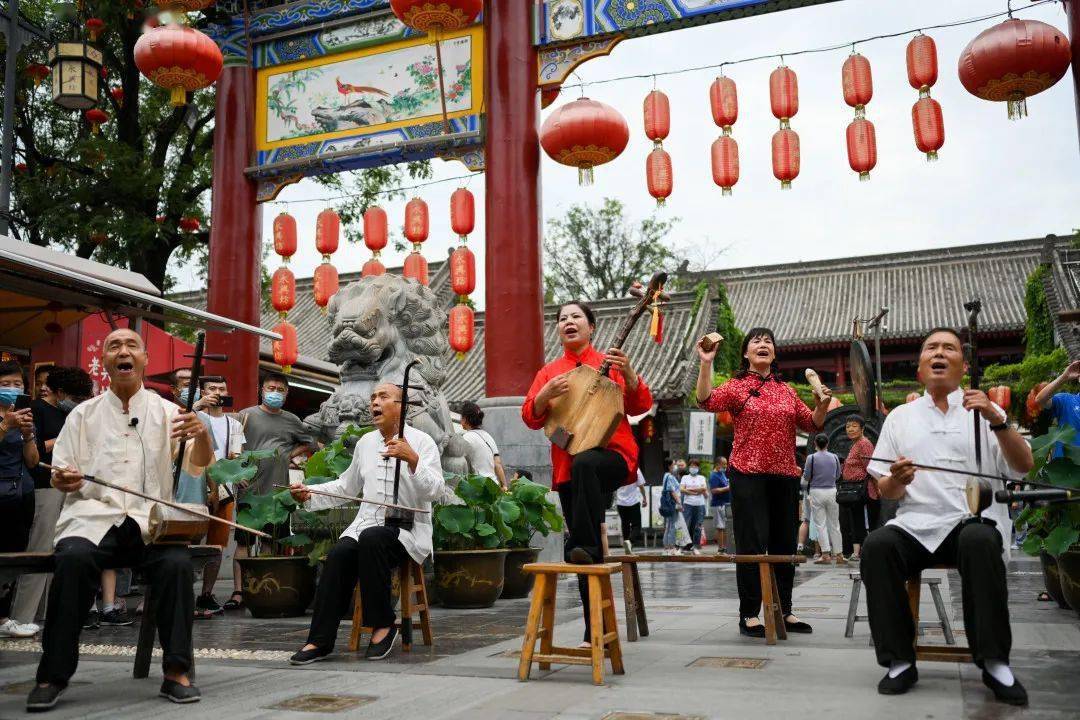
point(285, 235)
point(117, 94)
point(96, 117)
point(462, 212)
point(725, 163)
point(283, 291)
point(1001, 395)
point(286, 352)
point(37, 72)
point(548, 95)
point(53, 328)
point(462, 271)
point(922, 63)
point(657, 117)
point(462, 329)
point(180, 59)
point(1014, 60)
point(94, 28)
point(785, 156)
point(417, 221)
point(929, 126)
point(375, 229)
point(862, 147)
point(724, 103)
point(327, 233)
point(21, 168)
point(583, 134)
point(1031, 405)
point(658, 174)
point(325, 284)
point(416, 268)
point(725, 419)
point(784, 94)
point(442, 15)
point(858, 83)
point(190, 224)
point(372, 268)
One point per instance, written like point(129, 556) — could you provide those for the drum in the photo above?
point(172, 526)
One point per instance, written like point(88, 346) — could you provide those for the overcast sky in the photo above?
point(996, 179)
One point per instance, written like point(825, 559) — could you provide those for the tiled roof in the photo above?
point(1062, 285)
point(813, 303)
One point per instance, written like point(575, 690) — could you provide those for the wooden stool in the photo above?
point(414, 600)
point(937, 653)
point(604, 629)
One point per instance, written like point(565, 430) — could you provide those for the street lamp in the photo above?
point(76, 72)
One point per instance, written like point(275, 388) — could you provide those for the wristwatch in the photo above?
point(31, 438)
point(1003, 425)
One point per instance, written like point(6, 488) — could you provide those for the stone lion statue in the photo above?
point(380, 324)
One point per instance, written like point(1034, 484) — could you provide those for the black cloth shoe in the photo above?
point(207, 601)
point(43, 698)
point(378, 651)
point(93, 621)
point(177, 693)
point(581, 556)
point(1014, 694)
point(798, 627)
point(757, 631)
point(900, 684)
point(116, 617)
point(306, 657)
point(235, 601)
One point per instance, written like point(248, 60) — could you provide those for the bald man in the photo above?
point(129, 437)
point(369, 552)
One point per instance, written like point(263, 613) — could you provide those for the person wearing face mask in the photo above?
point(670, 507)
point(762, 470)
point(693, 488)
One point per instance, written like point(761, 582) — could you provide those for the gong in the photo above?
point(862, 379)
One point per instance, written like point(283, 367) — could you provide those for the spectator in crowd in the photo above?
point(41, 375)
point(63, 389)
point(1065, 406)
point(821, 472)
point(483, 453)
point(854, 470)
point(670, 507)
point(720, 500)
point(229, 440)
point(519, 473)
point(18, 454)
point(267, 426)
point(629, 499)
point(694, 489)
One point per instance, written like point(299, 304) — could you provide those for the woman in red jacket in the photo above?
point(764, 478)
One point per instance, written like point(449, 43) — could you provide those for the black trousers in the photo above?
point(852, 526)
point(873, 514)
point(18, 517)
point(630, 516)
point(370, 560)
point(891, 555)
point(79, 563)
point(594, 477)
point(766, 511)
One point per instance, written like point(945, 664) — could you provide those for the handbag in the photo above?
point(850, 493)
point(667, 503)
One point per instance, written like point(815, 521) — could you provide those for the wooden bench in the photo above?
point(934, 653)
point(636, 620)
point(14, 565)
point(412, 589)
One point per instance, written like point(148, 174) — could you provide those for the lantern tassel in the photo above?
point(585, 176)
point(785, 184)
point(460, 356)
point(178, 97)
point(1017, 106)
point(931, 156)
point(725, 191)
point(864, 177)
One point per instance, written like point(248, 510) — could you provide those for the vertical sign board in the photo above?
point(700, 434)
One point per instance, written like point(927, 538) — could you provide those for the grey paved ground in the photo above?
point(471, 671)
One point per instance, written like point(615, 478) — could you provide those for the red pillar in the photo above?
point(514, 315)
point(235, 233)
point(1072, 7)
point(841, 376)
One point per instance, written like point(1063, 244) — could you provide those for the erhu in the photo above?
point(397, 516)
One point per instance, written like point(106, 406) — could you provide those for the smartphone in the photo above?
point(225, 401)
point(22, 402)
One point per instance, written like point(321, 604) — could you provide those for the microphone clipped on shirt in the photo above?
point(134, 422)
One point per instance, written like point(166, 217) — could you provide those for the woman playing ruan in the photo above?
point(586, 481)
point(763, 476)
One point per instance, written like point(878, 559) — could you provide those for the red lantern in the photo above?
point(548, 95)
point(190, 224)
point(1001, 395)
point(327, 233)
point(462, 212)
point(99, 238)
point(286, 352)
point(1013, 61)
point(658, 174)
point(1033, 408)
point(325, 285)
point(657, 117)
point(285, 235)
point(583, 134)
point(37, 72)
point(862, 147)
point(117, 94)
point(858, 83)
point(462, 327)
point(180, 59)
point(416, 221)
point(725, 418)
point(283, 291)
point(94, 28)
point(21, 167)
point(922, 63)
point(96, 117)
point(372, 268)
point(462, 271)
point(725, 163)
point(724, 102)
point(416, 268)
point(375, 229)
point(53, 328)
point(784, 94)
point(428, 15)
point(785, 156)
point(912, 397)
point(929, 126)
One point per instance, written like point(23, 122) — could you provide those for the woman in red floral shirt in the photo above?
point(764, 479)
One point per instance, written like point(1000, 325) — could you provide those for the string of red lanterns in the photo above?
point(283, 292)
point(784, 102)
point(462, 319)
point(858, 85)
point(724, 104)
point(658, 170)
point(417, 225)
point(375, 236)
point(327, 237)
point(926, 118)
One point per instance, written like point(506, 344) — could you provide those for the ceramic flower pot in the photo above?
point(469, 578)
point(518, 583)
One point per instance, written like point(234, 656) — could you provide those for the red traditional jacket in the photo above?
point(622, 442)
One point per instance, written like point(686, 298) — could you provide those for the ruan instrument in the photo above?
point(352, 498)
point(589, 413)
point(169, 523)
point(816, 384)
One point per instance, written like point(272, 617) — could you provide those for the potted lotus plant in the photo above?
point(538, 516)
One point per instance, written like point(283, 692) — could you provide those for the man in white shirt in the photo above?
point(933, 525)
point(369, 551)
point(629, 499)
point(127, 436)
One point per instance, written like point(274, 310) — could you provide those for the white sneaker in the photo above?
point(695, 551)
point(628, 547)
point(14, 629)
